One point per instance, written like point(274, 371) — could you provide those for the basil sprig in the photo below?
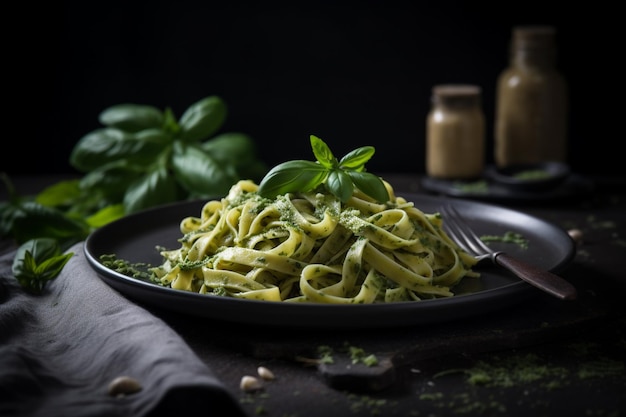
point(38, 261)
point(338, 177)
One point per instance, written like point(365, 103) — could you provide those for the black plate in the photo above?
point(135, 238)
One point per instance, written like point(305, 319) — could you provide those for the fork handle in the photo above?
point(544, 280)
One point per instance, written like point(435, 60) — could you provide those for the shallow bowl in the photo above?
point(531, 177)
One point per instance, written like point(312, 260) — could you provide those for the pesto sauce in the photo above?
point(124, 267)
point(472, 187)
point(508, 237)
point(532, 174)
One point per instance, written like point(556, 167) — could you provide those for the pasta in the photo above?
point(309, 247)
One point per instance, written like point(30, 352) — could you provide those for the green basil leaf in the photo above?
point(292, 176)
point(357, 158)
point(170, 124)
point(34, 221)
point(239, 151)
point(370, 184)
point(131, 117)
point(8, 212)
point(104, 146)
point(147, 145)
point(51, 267)
point(152, 189)
point(340, 185)
point(106, 215)
point(202, 119)
point(24, 265)
point(236, 148)
point(92, 150)
point(110, 180)
point(322, 152)
point(40, 249)
point(60, 194)
point(199, 173)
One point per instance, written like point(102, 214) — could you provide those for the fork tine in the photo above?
point(475, 238)
point(453, 230)
point(465, 236)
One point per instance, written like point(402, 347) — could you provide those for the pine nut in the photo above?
point(576, 235)
point(265, 373)
point(123, 385)
point(249, 383)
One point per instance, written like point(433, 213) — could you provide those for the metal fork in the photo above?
point(464, 236)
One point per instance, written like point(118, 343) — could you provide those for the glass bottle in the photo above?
point(455, 133)
point(531, 101)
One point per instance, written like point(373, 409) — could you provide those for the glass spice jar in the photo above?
point(531, 101)
point(455, 133)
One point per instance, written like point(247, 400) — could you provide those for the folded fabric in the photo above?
point(60, 350)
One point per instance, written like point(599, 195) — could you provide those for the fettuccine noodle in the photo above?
point(309, 247)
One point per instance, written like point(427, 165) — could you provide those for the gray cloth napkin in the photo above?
point(60, 350)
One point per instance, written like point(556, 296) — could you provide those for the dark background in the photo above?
point(353, 73)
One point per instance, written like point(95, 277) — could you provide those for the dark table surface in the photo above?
point(540, 357)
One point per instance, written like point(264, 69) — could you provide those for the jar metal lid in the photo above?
point(458, 94)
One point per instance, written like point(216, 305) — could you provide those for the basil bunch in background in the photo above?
point(141, 157)
point(144, 157)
